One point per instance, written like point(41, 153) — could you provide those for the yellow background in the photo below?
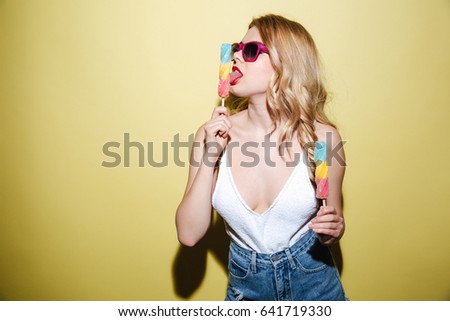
point(77, 74)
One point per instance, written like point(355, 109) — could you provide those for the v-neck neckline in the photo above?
point(244, 202)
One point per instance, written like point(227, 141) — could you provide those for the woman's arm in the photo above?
point(193, 216)
point(329, 223)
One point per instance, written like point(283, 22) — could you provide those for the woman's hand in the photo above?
point(328, 225)
point(216, 134)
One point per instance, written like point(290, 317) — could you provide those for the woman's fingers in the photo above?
point(328, 232)
point(331, 229)
point(328, 229)
point(327, 218)
point(217, 130)
point(216, 134)
point(222, 119)
point(326, 210)
point(214, 127)
point(220, 126)
point(328, 225)
point(219, 110)
point(226, 120)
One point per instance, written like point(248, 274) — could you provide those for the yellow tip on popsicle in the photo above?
point(224, 71)
point(320, 157)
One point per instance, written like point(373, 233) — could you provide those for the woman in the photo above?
point(256, 169)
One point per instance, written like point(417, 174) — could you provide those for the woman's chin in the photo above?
point(238, 92)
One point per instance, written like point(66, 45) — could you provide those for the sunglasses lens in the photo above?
point(250, 51)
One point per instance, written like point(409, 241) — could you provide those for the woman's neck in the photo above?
point(258, 116)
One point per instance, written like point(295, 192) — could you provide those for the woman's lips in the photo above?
point(235, 75)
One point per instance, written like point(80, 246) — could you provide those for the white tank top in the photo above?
point(281, 225)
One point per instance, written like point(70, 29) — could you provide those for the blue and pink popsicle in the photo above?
point(320, 157)
point(226, 65)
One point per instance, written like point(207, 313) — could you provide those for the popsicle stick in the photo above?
point(324, 202)
point(223, 102)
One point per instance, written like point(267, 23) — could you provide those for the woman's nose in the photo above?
point(237, 56)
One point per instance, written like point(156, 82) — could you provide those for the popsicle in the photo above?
point(224, 71)
point(320, 157)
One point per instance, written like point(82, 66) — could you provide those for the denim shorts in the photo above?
point(303, 272)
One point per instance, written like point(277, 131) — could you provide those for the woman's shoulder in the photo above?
point(330, 135)
point(325, 132)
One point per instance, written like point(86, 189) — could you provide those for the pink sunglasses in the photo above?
point(250, 50)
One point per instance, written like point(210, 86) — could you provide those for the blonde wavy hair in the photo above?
point(296, 94)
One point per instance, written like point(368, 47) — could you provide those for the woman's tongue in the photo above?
point(235, 76)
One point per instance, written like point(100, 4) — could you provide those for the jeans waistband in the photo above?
point(274, 258)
